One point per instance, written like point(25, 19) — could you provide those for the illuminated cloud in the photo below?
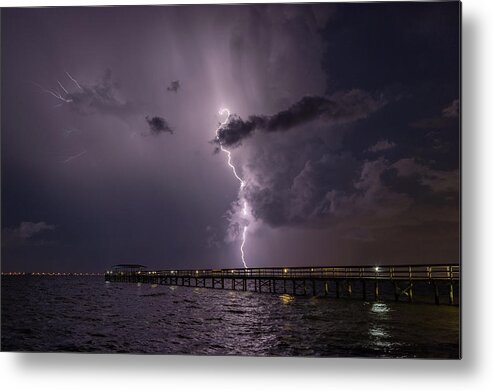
point(382, 145)
point(451, 111)
point(448, 116)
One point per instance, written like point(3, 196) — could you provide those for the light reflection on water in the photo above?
point(379, 308)
point(286, 299)
point(86, 314)
point(377, 332)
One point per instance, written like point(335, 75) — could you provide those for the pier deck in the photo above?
point(364, 282)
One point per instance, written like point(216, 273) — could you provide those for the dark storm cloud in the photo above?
point(158, 125)
point(302, 180)
point(341, 107)
point(337, 186)
point(312, 180)
point(174, 86)
point(415, 186)
point(297, 195)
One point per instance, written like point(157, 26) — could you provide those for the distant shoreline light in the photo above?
point(61, 274)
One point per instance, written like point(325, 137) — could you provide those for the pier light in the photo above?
point(377, 268)
point(285, 270)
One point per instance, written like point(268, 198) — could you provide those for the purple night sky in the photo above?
point(346, 132)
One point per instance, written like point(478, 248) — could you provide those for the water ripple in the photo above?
point(83, 314)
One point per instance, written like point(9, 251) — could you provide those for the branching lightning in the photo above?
point(57, 94)
point(65, 97)
point(242, 183)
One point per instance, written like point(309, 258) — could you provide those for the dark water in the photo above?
point(85, 314)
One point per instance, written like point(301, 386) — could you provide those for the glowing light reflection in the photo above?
point(286, 299)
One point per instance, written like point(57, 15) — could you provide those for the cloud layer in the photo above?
point(24, 233)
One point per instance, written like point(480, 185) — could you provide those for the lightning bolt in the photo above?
point(74, 156)
point(75, 81)
point(242, 183)
point(57, 94)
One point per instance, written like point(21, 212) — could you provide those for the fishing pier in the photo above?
point(436, 283)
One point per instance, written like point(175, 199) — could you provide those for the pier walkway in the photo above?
point(401, 283)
